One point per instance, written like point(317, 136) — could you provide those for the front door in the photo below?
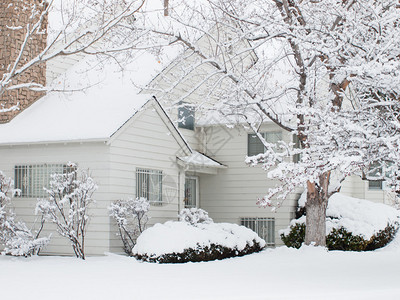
point(191, 192)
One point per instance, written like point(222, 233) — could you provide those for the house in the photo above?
point(133, 147)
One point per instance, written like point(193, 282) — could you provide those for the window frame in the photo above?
point(258, 143)
point(186, 116)
point(31, 179)
point(196, 192)
point(269, 236)
point(144, 177)
point(375, 185)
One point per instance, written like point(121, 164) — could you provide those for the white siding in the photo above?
point(93, 156)
point(146, 143)
point(354, 186)
point(233, 192)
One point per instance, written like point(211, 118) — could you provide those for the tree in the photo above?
point(38, 32)
point(69, 197)
point(294, 61)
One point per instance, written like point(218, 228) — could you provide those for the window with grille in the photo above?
point(149, 185)
point(254, 144)
point(264, 227)
point(30, 179)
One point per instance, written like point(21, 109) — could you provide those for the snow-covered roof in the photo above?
point(96, 100)
point(200, 160)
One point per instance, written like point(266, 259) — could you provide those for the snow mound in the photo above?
point(176, 237)
point(361, 217)
point(358, 216)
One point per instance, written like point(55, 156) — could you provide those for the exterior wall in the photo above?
point(355, 187)
point(233, 192)
point(15, 14)
point(147, 143)
point(92, 156)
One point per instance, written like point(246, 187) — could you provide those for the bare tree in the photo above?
point(293, 62)
point(37, 32)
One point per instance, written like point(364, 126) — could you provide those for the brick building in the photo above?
point(18, 34)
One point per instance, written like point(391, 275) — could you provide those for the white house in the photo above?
point(133, 148)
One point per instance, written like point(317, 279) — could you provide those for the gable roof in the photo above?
point(103, 99)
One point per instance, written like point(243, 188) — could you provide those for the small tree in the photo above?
point(69, 197)
point(16, 237)
point(131, 217)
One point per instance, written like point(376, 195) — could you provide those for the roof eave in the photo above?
point(74, 141)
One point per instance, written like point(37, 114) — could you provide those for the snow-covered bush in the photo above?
point(352, 224)
point(69, 197)
point(16, 237)
point(131, 217)
point(194, 216)
point(179, 242)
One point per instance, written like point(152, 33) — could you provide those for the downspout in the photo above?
point(179, 192)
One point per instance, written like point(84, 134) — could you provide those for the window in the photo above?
point(191, 191)
point(254, 144)
point(185, 116)
point(375, 171)
point(375, 185)
point(296, 141)
point(149, 185)
point(264, 227)
point(30, 179)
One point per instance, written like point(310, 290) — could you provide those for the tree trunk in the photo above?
point(317, 201)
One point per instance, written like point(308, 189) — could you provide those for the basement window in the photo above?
point(264, 227)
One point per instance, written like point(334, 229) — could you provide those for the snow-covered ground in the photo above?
point(281, 273)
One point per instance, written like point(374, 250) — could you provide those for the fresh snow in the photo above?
point(175, 236)
point(96, 99)
point(199, 159)
point(281, 273)
point(359, 216)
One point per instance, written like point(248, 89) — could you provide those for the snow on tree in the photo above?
point(44, 31)
point(69, 197)
point(17, 238)
point(131, 217)
point(326, 71)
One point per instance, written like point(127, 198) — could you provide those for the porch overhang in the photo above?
point(199, 163)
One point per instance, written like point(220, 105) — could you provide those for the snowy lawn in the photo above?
point(280, 273)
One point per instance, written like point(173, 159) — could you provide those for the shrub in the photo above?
point(16, 237)
point(382, 237)
point(200, 253)
point(69, 198)
point(131, 217)
point(352, 224)
point(179, 242)
point(194, 216)
point(341, 238)
point(295, 237)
